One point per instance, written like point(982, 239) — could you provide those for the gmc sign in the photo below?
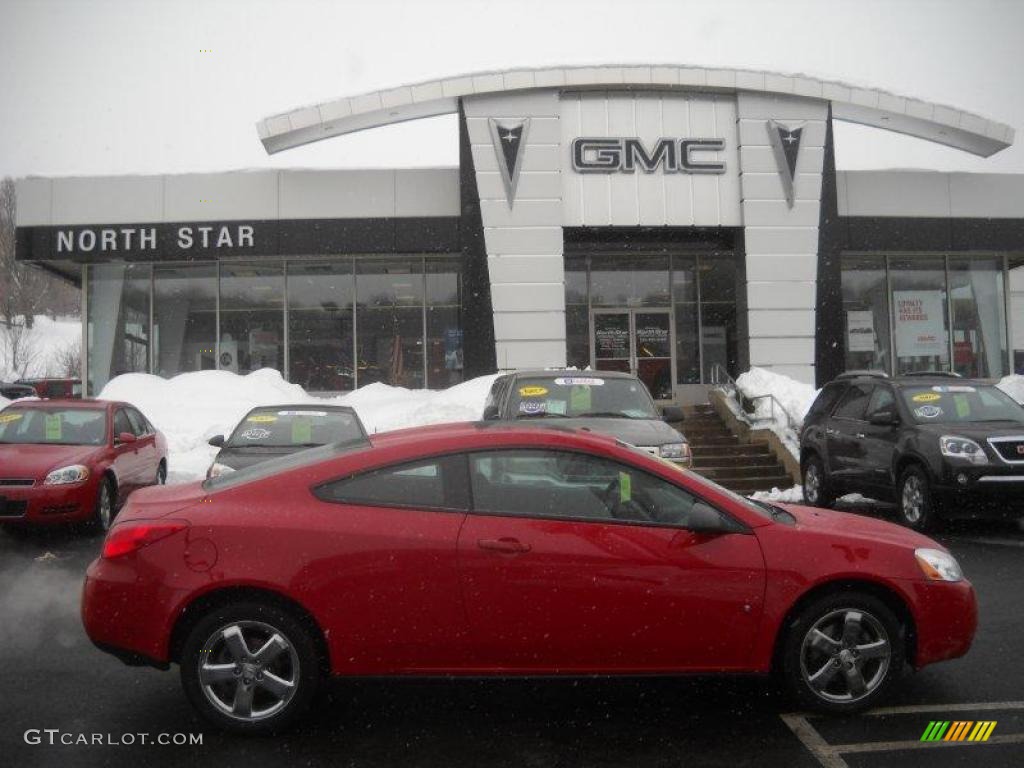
point(626, 155)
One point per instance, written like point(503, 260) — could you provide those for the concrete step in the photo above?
point(724, 474)
point(698, 440)
point(731, 451)
point(724, 462)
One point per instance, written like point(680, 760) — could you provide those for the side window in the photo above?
point(576, 486)
point(882, 399)
point(854, 403)
point(824, 402)
point(138, 423)
point(121, 423)
point(436, 483)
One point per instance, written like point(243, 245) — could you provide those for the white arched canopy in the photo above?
point(867, 106)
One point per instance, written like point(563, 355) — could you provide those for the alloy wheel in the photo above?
point(248, 670)
point(912, 499)
point(845, 655)
point(104, 507)
point(812, 484)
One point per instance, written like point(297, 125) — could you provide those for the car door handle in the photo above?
point(860, 435)
point(831, 431)
point(505, 545)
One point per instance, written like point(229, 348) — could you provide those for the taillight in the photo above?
point(128, 537)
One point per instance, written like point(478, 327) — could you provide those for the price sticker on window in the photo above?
point(625, 487)
point(53, 426)
point(302, 431)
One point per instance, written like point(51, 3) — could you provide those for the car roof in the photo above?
point(912, 381)
point(472, 432)
point(548, 373)
point(81, 403)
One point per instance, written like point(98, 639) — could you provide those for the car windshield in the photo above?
point(294, 428)
point(280, 464)
point(53, 426)
point(958, 403)
point(580, 396)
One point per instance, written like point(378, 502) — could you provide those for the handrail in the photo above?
point(720, 379)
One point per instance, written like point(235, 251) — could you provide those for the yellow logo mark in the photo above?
point(532, 391)
point(262, 418)
point(926, 397)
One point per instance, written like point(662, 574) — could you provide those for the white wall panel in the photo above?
point(658, 198)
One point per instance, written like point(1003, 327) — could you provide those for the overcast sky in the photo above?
point(125, 86)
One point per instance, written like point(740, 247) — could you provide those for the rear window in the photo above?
point(294, 428)
point(824, 402)
point(279, 464)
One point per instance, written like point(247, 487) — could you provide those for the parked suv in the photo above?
point(609, 402)
point(938, 445)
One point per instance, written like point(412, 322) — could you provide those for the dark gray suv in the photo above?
point(937, 445)
point(616, 404)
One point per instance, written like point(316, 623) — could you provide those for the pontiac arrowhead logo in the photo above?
point(786, 145)
point(509, 139)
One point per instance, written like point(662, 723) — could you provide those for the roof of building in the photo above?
point(933, 122)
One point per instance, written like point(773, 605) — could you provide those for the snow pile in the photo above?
point(794, 396)
point(41, 348)
point(1014, 387)
point(794, 495)
point(193, 407)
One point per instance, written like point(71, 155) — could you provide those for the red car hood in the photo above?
point(160, 500)
point(858, 526)
point(36, 461)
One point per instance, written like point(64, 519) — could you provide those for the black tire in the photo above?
point(101, 520)
point(914, 500)
point(297, 662)
point(803, 659)
point(817, 489)
point(161, 473)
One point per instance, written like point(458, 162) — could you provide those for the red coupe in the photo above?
point(64, 461)
point(485, 549)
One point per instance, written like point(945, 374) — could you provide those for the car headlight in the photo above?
point(674, 451)
point(938, 565)
point(74, 473)
point(962, 448)
point(219, 469)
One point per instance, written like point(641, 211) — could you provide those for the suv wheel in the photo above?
point(917, 509)
point(843, 652)
point(250, 667)
point(817, 489)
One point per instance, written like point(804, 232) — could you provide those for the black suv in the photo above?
point(938, 445)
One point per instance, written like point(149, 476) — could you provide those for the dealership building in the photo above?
point(682, 223)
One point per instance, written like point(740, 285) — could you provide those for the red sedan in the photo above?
point(501, 550)
point(64, 461)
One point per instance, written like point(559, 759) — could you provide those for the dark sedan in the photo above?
point(276, 430)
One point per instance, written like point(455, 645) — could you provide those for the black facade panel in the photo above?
point(828, 336)
point(479, 354)
point(884, 233)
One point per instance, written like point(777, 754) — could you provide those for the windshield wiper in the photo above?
point(540, 415)
point(606, 415)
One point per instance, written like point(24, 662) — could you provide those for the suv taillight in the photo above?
point(129, 537)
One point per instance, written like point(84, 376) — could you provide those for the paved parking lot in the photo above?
point(52, 678)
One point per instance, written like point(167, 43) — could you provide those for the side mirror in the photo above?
point(884, 418)
point(672, 413)
point(125, 437)
point(490, 413)
point(216, 441)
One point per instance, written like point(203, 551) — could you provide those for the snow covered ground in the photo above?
point(192, 407)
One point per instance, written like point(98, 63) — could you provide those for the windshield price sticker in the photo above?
point(255, 433)
point(302, 431)
point(53, 426)
point(928, 412)
point(533, 406)
point(533, 391)
point(6, 418)
point(956, 388)
point(262, 418)
point(926, 397)
point(320, 414)
point(579, 381)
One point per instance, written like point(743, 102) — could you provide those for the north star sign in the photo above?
point(626, 155)
point(143, 238)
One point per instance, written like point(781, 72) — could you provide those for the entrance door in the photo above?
point(637, 341)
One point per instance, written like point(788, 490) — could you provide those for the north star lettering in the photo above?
point(134, 239)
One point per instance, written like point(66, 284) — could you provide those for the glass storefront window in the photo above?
point(718, 340)
point(629, 281)
point(865, 313)
point(184, 318)
point(684, 297)
point(977, 292)
point(577, 312)
point(920, 314)
point(118, 321)
point(389, 322)
point(321, 325)
point(444, 322)
point(251, 317)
